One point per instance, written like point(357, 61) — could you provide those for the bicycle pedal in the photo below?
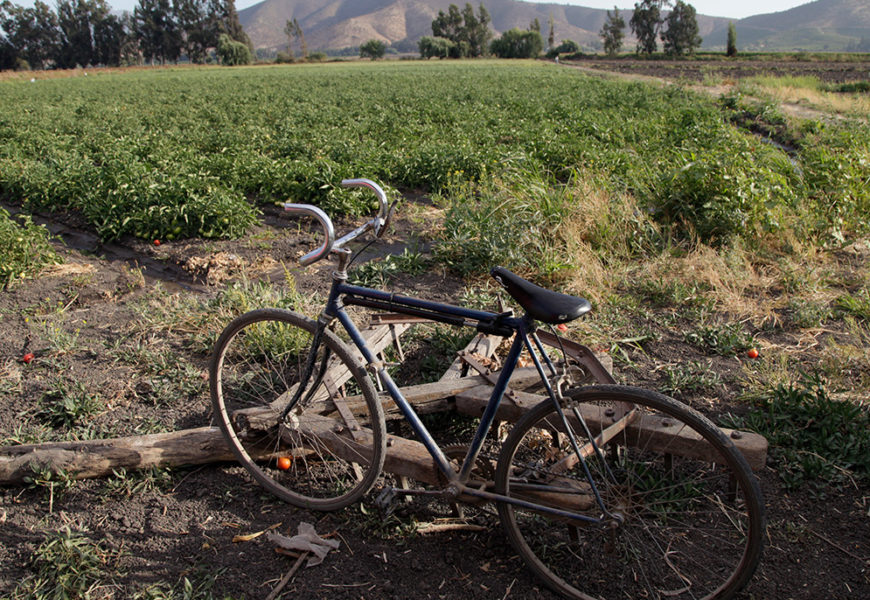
point(386, 500)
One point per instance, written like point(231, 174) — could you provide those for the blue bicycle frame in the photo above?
point(505, 324)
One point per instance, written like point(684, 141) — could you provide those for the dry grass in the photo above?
point(807, 91)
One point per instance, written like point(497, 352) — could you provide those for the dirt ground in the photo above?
point(168, 525)
point(732, 69)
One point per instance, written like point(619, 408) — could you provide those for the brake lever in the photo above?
point(390, 210)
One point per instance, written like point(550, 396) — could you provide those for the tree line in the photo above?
point(464, 34)
point(680, 36)
point(85, 33)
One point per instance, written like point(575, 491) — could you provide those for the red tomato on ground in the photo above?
point(752, 353)
point(28, 358)
point(283, 462)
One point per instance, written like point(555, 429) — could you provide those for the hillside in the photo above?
point(334, 24)
point(822, 25)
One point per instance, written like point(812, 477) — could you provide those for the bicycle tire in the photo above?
point(690, 527)
point(316, 457)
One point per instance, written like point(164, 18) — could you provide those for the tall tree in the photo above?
point(518, 44)
point(77, 42)
point(32, 34)
point(448, 26)
point(159, 36)
point(373, 49)
point(224, 11)
point(613, 32)
point(90, 33)
point(551, 38)
point(646, 23)
point(681, 36)
point(192, 19)
point(109, 36)
point(535, 25)
point(293, 31)
point(8, 52)
point(469, 33)
point(731, 45)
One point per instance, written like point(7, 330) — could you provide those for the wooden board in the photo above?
point(648, 431)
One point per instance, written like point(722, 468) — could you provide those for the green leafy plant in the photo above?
point(54, 481)
point(124, 484)
point(857, 304)
point(24, 248)
point(687, 378)
point(726, 339)
point(68, 402)
point(67, 564)
point(807, 313)
point(816, 440)
point(379, 273)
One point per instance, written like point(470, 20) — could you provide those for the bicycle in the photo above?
point(605, 491)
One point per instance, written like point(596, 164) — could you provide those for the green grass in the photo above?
point(724, 339)
point(66, 564)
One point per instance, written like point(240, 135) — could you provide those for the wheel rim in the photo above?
point(679, 527)
point(310, 457)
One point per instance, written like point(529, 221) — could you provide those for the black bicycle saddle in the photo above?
point(542, 304)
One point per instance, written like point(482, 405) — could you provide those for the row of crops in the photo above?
point(193, 152)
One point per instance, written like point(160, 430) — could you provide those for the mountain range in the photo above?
point(834, 25)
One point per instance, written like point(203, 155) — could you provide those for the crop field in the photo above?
point(723, 242)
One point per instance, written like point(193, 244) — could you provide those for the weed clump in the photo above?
point(24, 248)
point(816, 440)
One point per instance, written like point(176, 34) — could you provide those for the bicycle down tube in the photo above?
point(343, 294)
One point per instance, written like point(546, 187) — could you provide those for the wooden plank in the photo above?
point(404, 457)
point(377, 339)
point(425, 397)
point(590, 361)
point(648, 431)
point(482, 344)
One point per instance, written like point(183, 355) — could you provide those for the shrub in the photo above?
point(437, 47)
point(518, 44)
point(737, 188)
point(817, 441)
point(836, 166)
point(24, 248)
point(566, 47)
point(373, 49)
point(233, 53)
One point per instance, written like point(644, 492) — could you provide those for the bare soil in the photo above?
point(732, 69)
point(184, 526)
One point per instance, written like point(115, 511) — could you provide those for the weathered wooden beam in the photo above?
point(648, 431)
point(481, 344)
point(98, 458)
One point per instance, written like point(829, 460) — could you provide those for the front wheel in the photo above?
point(328, 449)
point(683, 515)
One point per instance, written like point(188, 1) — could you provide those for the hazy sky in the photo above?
point(735, 9)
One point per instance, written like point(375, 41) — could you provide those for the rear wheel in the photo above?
point(328, 450)
point(685, 515)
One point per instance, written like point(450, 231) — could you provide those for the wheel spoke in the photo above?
point(258, 363)
point(673, 533)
